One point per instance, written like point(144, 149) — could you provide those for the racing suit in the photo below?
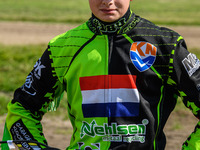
point(122, 81)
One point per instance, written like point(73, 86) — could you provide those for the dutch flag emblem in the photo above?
point(109, 96)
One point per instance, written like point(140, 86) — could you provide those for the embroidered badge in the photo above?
point(143, 55)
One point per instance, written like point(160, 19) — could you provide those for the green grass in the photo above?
point(15, 64)
point(176, 12)
point(44, 11)
point(4, 99)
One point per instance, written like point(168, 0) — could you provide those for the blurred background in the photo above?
point(176, 12)
point(26, 26)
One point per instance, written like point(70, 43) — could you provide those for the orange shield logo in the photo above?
point(143, 55)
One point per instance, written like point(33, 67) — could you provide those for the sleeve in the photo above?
point(186, 76)
point(31, 102)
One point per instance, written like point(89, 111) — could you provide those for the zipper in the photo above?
point(110, 46)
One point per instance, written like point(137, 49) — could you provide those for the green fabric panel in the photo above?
point(6, 136)
point(95, 56)
point(17, 112)
point(193, 142)
point(64, 46)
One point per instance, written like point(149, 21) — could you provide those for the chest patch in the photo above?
point(143, 55)
point(109, 96)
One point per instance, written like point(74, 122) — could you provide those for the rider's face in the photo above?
point(109, 10)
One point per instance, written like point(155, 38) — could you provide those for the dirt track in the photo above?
point(179, 126)
point(33, 33)
point(21, 33)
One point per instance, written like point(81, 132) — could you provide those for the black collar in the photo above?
point(99, 27)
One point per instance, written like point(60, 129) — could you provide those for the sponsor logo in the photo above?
point(20, 132)
point(109, 96)
point(191, 64)
point(27, 87)
point(143, 55)
point(93, 146)
point(116, 133)
point(38, 69)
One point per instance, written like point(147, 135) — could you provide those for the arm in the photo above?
point(31, 102)
point(186, 74)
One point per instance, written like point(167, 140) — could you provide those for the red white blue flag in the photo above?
point(109, 96)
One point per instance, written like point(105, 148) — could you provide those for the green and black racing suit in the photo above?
point(122, 81)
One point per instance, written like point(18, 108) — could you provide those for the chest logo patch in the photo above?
point(109, 96)
point(143, 55)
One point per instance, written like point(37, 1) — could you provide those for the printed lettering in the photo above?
point(150, 49)
point(191, 64)
point(114, 132)
point(38, 69)
point(20, 132)
point(109, 28)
